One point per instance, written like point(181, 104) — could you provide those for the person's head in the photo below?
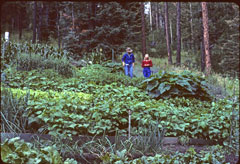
point(146, 57)
point(129, 50)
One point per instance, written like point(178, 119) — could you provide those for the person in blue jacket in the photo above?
point(128, 61)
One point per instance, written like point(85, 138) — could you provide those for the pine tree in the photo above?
point(178, 58)
point(34, 22)
point(116, 26)
point(143, 31)
point(167, 34)
point(206, 37)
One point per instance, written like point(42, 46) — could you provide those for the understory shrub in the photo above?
point(101, 75)
point(27, 62)
point(114, 67)
point(11, 49)
point(164, 85)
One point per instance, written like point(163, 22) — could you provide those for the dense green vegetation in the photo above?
point(76, 90)
point(95, 100)
point(18, 151)
point(169, 84)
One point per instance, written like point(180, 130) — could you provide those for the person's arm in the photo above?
point(123, 58)
point(142, 63)
point(133, 60)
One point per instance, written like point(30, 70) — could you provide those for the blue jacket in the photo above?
point(128, 59)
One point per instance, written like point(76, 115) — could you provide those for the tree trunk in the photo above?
point(202, 48)
point(93, 14)
point(156, 16)
point(178, 34)
point(143, 30)
point(202, 56)
point(47, 20)
point(12, 27)
point(191, 25)
point(163, 18)
point(19, 24)
point(167, 35)
point(40, 22)
point(152, 19)
point(150, 15)
point(206, 37)
point(171, 40)
point(58, 28)
point(34, 22)
point(160, 16)
point(73, 18)
point(47, 13)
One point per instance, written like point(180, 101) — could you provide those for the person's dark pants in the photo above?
point(146, 72)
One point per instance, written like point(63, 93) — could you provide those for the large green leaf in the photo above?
point(163, 87)
point(152, 85)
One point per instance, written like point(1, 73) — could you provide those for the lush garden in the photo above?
point(43, 93)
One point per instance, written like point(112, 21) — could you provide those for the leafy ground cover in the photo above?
point(17, 151)
point(96, 101)
point(107, 111)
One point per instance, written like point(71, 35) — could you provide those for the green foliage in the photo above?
point(29, 56)
point(35, 79)
point(12, 110)
point(16, 151)
point(183, 140)
point(85, 80)
point(67, 113)
point(10, 50)
point(224, 35)
point(56, 109)
point(119, 29)
point(28, 62)
point(214, 154)
point(106, 74)
point(115, 67)
point(55, 103)
point(149, 139)
point(170, 84)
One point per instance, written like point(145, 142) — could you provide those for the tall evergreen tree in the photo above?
point(167, 34)
point(206, 37)
point(178, 58)
point(34, 22)
point(116, 26)
point(143, 31)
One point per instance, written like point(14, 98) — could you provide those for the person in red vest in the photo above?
point(146, 64)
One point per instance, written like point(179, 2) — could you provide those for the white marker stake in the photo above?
point(129, 124)
point(7, 36)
